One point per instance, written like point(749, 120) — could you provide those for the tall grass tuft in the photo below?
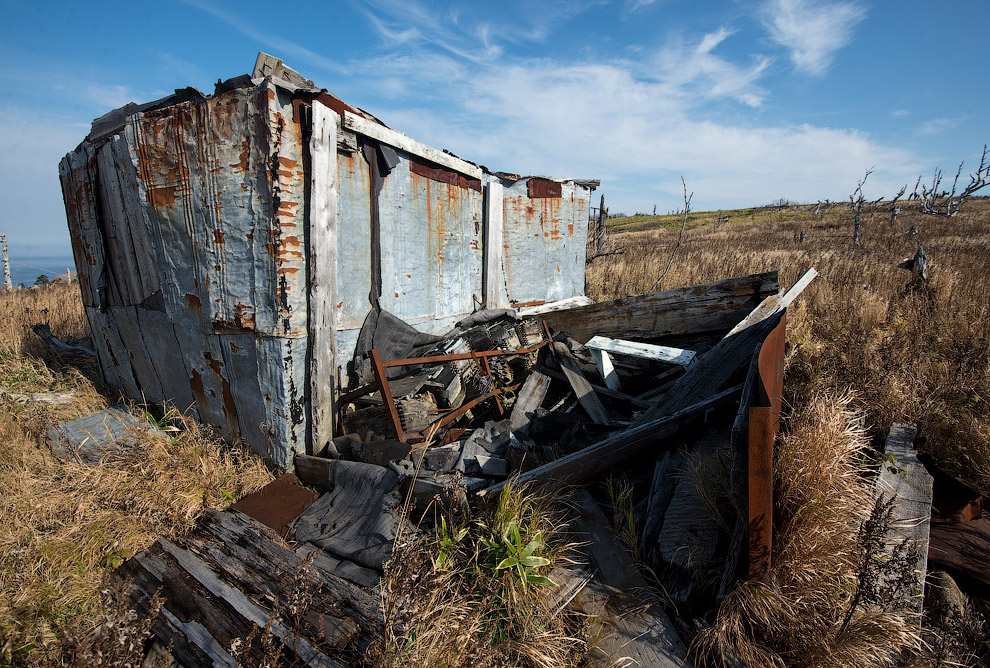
point(808, 612)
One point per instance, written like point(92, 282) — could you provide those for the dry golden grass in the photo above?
point(65, 525)
point(919, 357)
point(799, 616)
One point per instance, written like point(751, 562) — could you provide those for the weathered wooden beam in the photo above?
point(604, 391)
point(322, 264)
point(582, 388)
point(644, 351)
point(909, 483)
point(634, 624)
point(606, 369)
point(531, 397)
point(559, 305)
point(606, 454)
point(370, 128)
point(700, 308)
point(494, 276)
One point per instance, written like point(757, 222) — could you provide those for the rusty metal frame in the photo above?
point(378, 367)
point(764, 421)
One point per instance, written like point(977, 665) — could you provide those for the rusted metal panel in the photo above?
point(539, 187)
point(190, 225)
point(764, 421)
point(544, 242)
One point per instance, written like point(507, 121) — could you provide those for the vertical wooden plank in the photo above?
point(907, 480)
point(606, 368)
point(494, 279)
point(323, 273)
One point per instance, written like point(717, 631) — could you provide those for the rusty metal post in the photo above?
point(764, 421)
point(393, 414)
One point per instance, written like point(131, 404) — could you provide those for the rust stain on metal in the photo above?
point(218, 236)
point(442, 174)
point(193, 300)
point(544, 188)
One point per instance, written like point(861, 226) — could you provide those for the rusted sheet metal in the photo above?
point(431, 243)
point(764, 421)
point(540, 187)
point(188, 228)
point(544, 241)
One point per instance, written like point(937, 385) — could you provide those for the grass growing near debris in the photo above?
point(65, 525)
point(476, 593)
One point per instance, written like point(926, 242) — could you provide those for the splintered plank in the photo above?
point(645, 351)
point(582, 388)
point(699, 308)
point(531, 397)
point(634, 624)
point(909, 483)
point(232, 577)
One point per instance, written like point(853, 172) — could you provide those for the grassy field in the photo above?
point(918, 356)
point(65, 525)
point(864, 351)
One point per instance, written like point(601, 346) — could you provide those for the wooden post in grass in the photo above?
point(7, 283)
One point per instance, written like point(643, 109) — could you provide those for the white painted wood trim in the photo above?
point(495, 293)
point(643, 350)
point(323, 273)
point(402, 142)
point(606, 368)
point(559, 305)
point(775, 304)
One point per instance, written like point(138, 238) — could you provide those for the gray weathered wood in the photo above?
point(910, 484)
point(400, 141)
point(530, 397)
point(661, 491)
point(642, 350)
point(582, 388)
point(323, 274)
point(603, 390)
point(92, 439)
point(605, 367)
point(612, 451)
point(700, 308)
point(559, 305)
point(713, 369)
point(494, 279)
point(634, 623)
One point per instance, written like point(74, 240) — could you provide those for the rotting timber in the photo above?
point(397, 324)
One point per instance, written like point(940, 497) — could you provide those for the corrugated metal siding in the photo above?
point(545, 242)
point(189, 233)
point(190, 230)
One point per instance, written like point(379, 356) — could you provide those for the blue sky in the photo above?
point(750, 100)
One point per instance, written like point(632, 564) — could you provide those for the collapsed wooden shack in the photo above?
point(231, 246)
point(395, 323)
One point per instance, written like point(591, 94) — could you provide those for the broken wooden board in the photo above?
point(612, 451)
point(686, 542)
point(635, 625)
point(582, 388)
point(559, 305)
point(645, 351)
point(713, 369)
point(531, 397)
point(232, 577)
point(604, 391)
point(906, 480)
point(356, 519)
point(700, 308)
point(94, 438)
point(962, 547)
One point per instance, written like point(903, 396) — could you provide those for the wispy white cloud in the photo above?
point(938, 125)
point(900, 113)
point(812, 31)
point(286, 47)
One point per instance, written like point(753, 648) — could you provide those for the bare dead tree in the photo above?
point(894, 209)
point(856, 202)
point(936, 201)
point(680, 233)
